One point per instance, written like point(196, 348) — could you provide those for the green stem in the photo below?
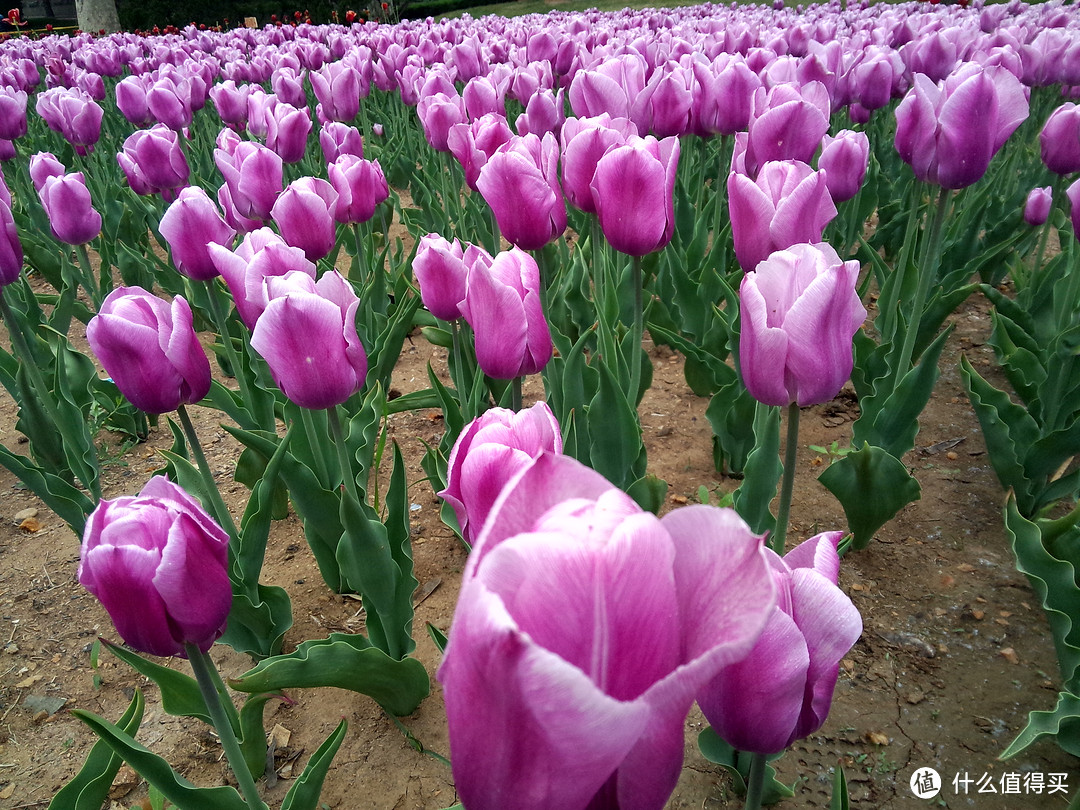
point(515, 394)
point(496, 237)
point(204, 671)
point(603, 288)
point(317, 444)
point(88, 275)
point(889, 311)
point(755, 784)
point(358, 276)
point(221, 511)
point(345, 468)
point(638, 328)
point(787, 485)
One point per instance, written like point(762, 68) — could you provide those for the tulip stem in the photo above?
point(203, 667)
point(359, 277)
point(496, 237)
point(347, 477)
point(603, 288)
point(634, 357)
point(755, 784)
point(515, 393)
point(313, 440)
point(88, 275)
point(787, 484)
point(221, 511)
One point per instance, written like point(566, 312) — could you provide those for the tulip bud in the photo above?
point(1037, 206)
point(360, 186)
point(189, 226)
point(1073, 193)
point(304, 214)
point(441, 269)
point(633, 190)
point(231, 102)
point(159, 566)
point(288, 85)
point(44, 165)
point(844, 159)
point(1059, 140)
point(438, 112)
point(337, 87)
point(254, 174)
point(150, 349)
point(520, 182)
point(71, 212)
point(12, 113)
point(584, 141)
point(473, 144)
point(131, 100)
point(338, 139)
point(287, 130)
point(153, 161)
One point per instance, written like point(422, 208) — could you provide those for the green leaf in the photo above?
point(252, 736)
point(437, 636)
point(305, 791)
point(89, 788)
point(346, 661)
point(649, 492)
point(180, 695)
point(1063, 723)
point(872, 486)
point(159, 773)
point(763, 471)
point(737, 764)
point(62, 497)
point(616, 449)
point(730, 410)
point(839, 800)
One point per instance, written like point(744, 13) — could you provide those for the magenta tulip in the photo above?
point(44, 165)
point(287, 130)
point(254, 174)
point(520, 182)
point(131, 99)
point(360, 186)
point(11, 252)
point(545, 112)
point(1037, 206)
point(336, 139)
point(782, 691)
point(73, 114)
point(788, 123)
point(337, 87)
point(633, 190)
point(72, 217)
point(12, 113)
point(584, 141)
point(190, 225)
point(441, 268)
point(844, 159)
point(438, 112)
point(473, 144)
point(231, 102)
point(159, 565)
point(799, 312)
point(149, 348)
point(1073, 193)
point(598, 691)
point(304, 214)
point(153, 161)
point(1059, 140)
point(287, 84)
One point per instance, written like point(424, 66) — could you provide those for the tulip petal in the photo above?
point(497, 316)
point(817, 553)
point(751, 210)
point(629, 188)
point(484, 472)
point(763, 350)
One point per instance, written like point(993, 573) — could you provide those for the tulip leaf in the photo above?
point(730, 409)
point(62, 497)
point(346, 661)
point(872, 486)
point(649, 492)
point(737, 765)
point(438, 637)
point(616, 450)
point(305, 791)
point(840, 799)
point(180, 695)
point(89, 788)
point(252, 733)
point(763, 471)
point(1063, 724)
point(159, 773)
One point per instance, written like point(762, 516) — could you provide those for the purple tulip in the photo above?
point(189, 226)
point(1037, 206)
point(260, 106)
point(612, 87)
point(488, 453)
point(1059, 140)
point(844, 159)
point(254, 174)
point(360, 186)
point(12, 113)
point(150, 349)
point(441, 269)
point(307, 335)
point(782, 690)
point(502, 305)
point(545, 112)
point(260, 255)
point(799, 312)
point(231, 102)
point(287, 84)
point(584, 693)
point(438, 112)
point(304, 214)
point(233, 218)
point(723, 103)
point(131, 99)
point(73, 114)
point(584, 142)
point(788, 203)
point(71, 211)
point(153, 161)
point(520, 182)
point(287, 130)
point(633, 190)
point(44, 165)
point(949, 132)
point(159, 565)
point(337, 87)
point(92, 84)
point(336, 139)
point(665, 106)
point(473, 144)
point(788, 124)
point(170, 102)
point(11, 252)
point(484, 96)
point(1073, 193)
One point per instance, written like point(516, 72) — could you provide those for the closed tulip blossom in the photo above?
point(231, 102)
point(307, 335)
point(11, 252)
point(584, 141)
point(254, 174)
point(593, 696)
point(502, 305)
point(787, 204)
point(438, 112)
point(520, 182)
point(150, 349)
point(153, 161)
point(474, 143)
point(1059, 140)
point(131, 99)
point(948, 132)
point(44, 165)
point(488, 453)
point(441, 268)
point(336, 139)
point(799, 312)
point(288, 85)
point(782, 690)
point(1037, 206)
point(633, 189)
point(844, 159)
point(1073, 194)
point(337, 87)
point(73, 114)
point(67, 202)
point(788, 123)
point(287, 130)
point(304, 215)
point(360, 186)
point(190, 225)
point(158, 563)
point(12, 113)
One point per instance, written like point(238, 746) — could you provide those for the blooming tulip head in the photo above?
point(158, 564)
point(520, 182)
point(844, 159)
point(438, 112)
point(474, 143)
point(131, 100)
point(190, 225)
point(1059, 139)
point(488, 453)
point(231, 102)
point(44, 165)
point(307, 335)
point(584, 141)
point(502, 305)
point(12, 113)
point(782, 690)
point(949, 132)
point(254, 174)
point(287, 130)
point(1037, 206)
point(153, 161)
point(788, 123)
point(338, 139)
point(304, 214)
point(72, 217)
point(595, 691)
point(360, 186)
point(441, 268)
point(787, 204)
point(337, 87)
point(11, 252)
point(633, 189)
point(1073, 193)
point(799, 312)
point(73, 114)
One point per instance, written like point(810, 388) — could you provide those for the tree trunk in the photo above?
point(95, 15)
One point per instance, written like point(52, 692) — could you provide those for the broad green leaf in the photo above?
point(616, 450)
point(305, 791)
point(763, 471)
point(438, 637)
point(839, 799)
point(737, 765)
point(649, 492)
point(62, 497)
point(1063, 724)
point(180, 695)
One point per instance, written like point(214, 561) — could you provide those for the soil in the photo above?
point(955, 651)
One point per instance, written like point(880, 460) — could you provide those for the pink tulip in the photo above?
point(520, 182)
point(190, 225)
point(304, 214)
point(633, 190)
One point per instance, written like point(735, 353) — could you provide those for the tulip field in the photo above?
point(579, 411)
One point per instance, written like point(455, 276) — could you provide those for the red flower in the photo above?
point(350, 16)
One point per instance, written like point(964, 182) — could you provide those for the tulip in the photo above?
point(231, 102)
point(11, 252)
point(789, 122)
point(502, 305)
point(260, 106)
point(337, 87)
point(261, 254)
point(583, 630)
point(1059, 140)
point(473, 144)
point(73, 114)
point(71, 211)
point(788, 203)
point(545, 112)
point(612, 87)
point(158, 564)
point(844, 159)
point(233, 218)
point(484, 96)
point(488, 453)
point(288, 85)
point(1037, 206)
point(153, 161)
point(287, 130)
point(170, 102)
point(441, 269)
point(307, 335)
point(520, 182)
point(337, 139)
point(438, 112)
point(304, 214)
point(799, 312)
point(633, 190)
point(782, 690)
point(254, 174)
point(360, 186)
point(724, 94)
point(584, 141)
point(44, 165)
point(1073, 193)
point(150, 349)
point(12, 113)
point(949, 132)
point(189, 226)
point(131, 100)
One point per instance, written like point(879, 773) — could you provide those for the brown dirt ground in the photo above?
point(955, 650)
